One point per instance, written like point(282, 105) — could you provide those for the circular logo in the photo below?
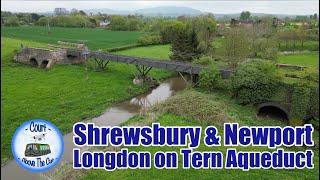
point(37, 145)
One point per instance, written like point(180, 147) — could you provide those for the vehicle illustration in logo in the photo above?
point(35, 149)
point(37, 145)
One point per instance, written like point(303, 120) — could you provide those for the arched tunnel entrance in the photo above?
point(71, 57)
point(44, 63)
point(273, 112)
point(33, 62)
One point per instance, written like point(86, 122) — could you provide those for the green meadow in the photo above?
point(94, 38)
point(304, 59)
point(156, 51)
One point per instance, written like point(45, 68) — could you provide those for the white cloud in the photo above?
point(275, 6)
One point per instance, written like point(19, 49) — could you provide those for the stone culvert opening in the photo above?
point(273, 112)
point(44, 63)
point(33, 62)
point(71, 57)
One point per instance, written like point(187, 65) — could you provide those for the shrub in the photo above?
point(254, 82)
point(304, 100)
point(149, 39)
point(270, 53)
point(210, 78)
point(203, 60)
point(311, 74)
point(12, 21)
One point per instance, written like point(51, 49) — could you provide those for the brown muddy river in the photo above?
point(111, 117)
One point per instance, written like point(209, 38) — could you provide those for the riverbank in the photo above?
point(175, 115)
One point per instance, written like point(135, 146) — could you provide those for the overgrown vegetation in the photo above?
point(194, 105)
point(304, 101)
point(210, 78)
point(254, 82)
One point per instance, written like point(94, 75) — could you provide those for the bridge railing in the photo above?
point(177, 66)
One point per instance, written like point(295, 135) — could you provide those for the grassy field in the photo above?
point(94, 38)
point(306, 59)
point(244, 115)
point(62, 94)
point(156, 52)
point(163, 51)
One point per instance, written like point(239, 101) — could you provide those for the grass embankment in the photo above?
point(94, 38)
point(62, 94)
point(178, 111)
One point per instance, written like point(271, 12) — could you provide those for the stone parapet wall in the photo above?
point(45, 58)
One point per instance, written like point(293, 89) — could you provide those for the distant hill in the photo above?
point(155, 11)
point(237, 15)
point(172, 11)
point(169, 11)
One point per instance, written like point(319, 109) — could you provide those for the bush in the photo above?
point(270, 53)
point(210, 78)
point(254, 82)
point(203, 60)
point(304, 100)
point(149, 39)
point(311, 74)
point(265, 48)
point(12, 21)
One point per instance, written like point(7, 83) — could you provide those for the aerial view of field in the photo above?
point(254, 71)
point(94, 38)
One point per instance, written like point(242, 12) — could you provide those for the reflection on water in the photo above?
point(111, 117)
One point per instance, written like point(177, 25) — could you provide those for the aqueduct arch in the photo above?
point(273, 109)
point(33, 62)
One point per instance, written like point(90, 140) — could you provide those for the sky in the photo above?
point(218, 7)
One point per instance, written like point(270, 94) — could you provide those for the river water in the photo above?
point(111, 117)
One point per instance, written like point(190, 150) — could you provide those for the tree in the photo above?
point(169, 29)
point(185, 45)
point(236, 46)
point(205, 27)
point(35, 17)
point(262, 41)
point(134, 24)
point(302, 34)
point(82, 13)
point(118, 23)
point(245, 15)
point(12, 21)
point(315, 16)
